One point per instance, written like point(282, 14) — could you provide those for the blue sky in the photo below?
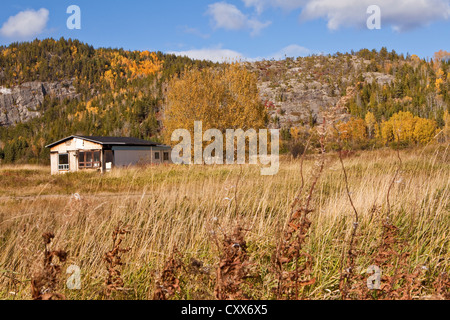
point(250, 29)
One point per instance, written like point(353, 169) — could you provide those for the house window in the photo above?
point(63, 162)
point(166, 156)
point(89, 159)
point(156, 155)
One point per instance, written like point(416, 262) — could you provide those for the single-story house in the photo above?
point(76, 153)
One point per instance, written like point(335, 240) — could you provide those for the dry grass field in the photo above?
point(195, 209)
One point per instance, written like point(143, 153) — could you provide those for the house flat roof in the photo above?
point(111, 141)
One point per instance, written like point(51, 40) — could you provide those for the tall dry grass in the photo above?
point(177, 207)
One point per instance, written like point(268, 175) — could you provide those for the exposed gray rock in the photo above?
point(380, 78)
point(300, 91)
point(296, 103)
point(22, 103)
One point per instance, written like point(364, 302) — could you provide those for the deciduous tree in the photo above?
point(223, 98)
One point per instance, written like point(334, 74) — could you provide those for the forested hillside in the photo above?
point(51, 89)
point(380, 82)
point(379, 97)
point(117, 92)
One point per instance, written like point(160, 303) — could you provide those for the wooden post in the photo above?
point(102, 162)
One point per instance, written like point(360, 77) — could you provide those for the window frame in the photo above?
point(82, 165)
point(166, 156)
point(64, 166)
point(158, 155)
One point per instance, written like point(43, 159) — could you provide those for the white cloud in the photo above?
point(401, 15)
point(224, 55)
point(25, 24)
point(212, 54)
point(291, 51)
point(229, 17)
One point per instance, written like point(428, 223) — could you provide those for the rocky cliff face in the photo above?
point(299, 92)
point(22, 103)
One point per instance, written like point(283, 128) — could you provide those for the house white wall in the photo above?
point(70, 147)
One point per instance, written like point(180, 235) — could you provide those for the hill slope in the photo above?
point(297, 90)
point(50, 89)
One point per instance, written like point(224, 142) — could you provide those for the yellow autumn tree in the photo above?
point(424, 130)
point(371, 123)
point(440, 56)
point(121, 67)
point(405, 128)
point(439, 80)
point(222, 98)
point(400, 127)
point(353, 133)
